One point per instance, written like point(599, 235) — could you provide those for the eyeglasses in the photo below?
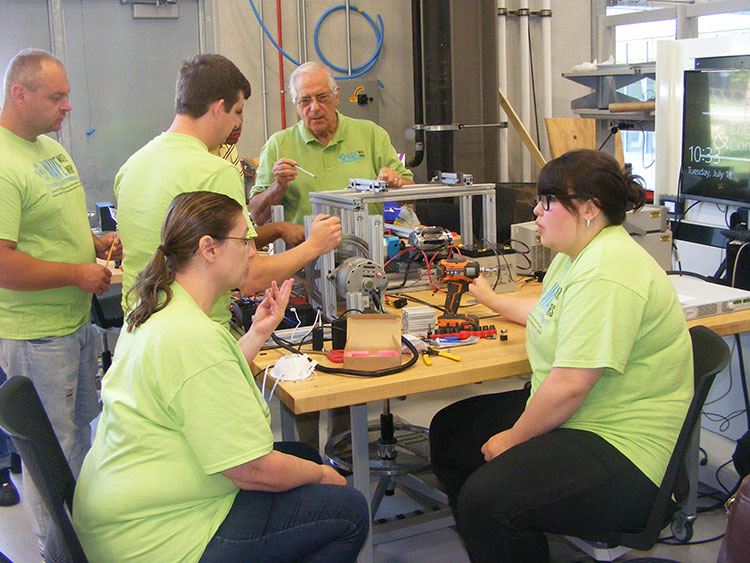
point(247, 240)
point(322, 98)
point(546, 199)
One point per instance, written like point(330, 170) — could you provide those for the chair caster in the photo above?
point(682, 527)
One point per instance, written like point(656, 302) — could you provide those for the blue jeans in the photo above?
point(63, 370)
point(311, 523)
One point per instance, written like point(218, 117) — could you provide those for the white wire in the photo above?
point(312, 327)
point(274, 386)
point(263, 387)
point(299, 324)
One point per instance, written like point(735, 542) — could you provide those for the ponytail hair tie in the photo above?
point(164, 250)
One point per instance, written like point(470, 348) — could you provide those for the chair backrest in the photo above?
point(106, 310)
point(24, 419)
point(710, 356)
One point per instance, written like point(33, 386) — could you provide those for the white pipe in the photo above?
point(263, 75)
point(502, 82)
point(301, 31)
point(525, 81)
point(348, 42)
point(546, 72)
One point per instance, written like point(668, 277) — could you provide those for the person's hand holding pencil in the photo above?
point(108, 247)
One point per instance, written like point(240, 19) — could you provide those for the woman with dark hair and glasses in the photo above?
point(183, 466)
point(583, 451)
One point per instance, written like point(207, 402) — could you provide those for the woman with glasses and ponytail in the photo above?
point(584, 449)
point(183, 466)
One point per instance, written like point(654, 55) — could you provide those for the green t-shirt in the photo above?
point(169, 165)
point(359, 149)
point(43, 210)
point(614, 308)
point(180, 406)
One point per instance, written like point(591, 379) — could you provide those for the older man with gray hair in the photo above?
point(334, 148)
point(324, 142)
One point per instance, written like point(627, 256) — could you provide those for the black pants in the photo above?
point(565, 482)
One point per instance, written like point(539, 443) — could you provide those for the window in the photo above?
point(636, 43)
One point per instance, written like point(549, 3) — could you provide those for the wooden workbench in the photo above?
point(483, 361)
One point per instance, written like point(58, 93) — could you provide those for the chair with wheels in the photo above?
point(24, 419)
point(106, 317)
point(710, 356)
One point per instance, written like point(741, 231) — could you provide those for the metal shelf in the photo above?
point(606, 80)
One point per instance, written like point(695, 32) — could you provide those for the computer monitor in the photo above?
point(716, 137)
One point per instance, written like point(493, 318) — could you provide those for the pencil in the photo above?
point(109, 255)
point(305, 171)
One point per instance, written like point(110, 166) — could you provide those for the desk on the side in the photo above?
point(484, 361)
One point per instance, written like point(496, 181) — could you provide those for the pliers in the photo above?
point(430, 351)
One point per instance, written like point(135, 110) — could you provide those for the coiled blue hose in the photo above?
point(356, 72)
point(360, 70)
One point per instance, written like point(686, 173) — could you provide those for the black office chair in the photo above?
point(23, 418)
point(710, 356)
point(106, 315)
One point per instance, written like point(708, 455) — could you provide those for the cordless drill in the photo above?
point(457, 276)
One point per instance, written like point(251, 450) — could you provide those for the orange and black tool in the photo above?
point(457, 276)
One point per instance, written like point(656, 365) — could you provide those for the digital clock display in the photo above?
point(716, 136)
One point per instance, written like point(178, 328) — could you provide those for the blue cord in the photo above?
point(360, 70)
point(268, 34)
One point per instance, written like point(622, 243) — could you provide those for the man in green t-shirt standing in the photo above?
point(47, 258)
point(210, 95)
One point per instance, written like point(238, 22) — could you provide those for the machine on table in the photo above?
point(326, 280)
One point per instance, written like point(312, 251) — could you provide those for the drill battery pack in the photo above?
point(456, 322)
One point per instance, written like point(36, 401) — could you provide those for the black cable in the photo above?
point(492, 247)
point(376, 300)
point(360, 373)
point(718, 480)
point(720, 271)
point(612, 131)
point(666, 541)
point(409, 262)
point(721, 501)
point(509, 242)
point(688, 274)
point(416, 299)
point(533, 85)
point(349, 311)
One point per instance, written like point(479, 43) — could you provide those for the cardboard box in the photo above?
point(373, 342)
